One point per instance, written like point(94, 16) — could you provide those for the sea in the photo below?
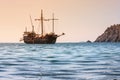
point(60, 61)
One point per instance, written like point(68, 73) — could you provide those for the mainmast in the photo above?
point(42, 22)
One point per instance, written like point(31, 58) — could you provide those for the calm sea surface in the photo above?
point(61, 61)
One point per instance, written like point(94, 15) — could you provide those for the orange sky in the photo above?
point(81, 20)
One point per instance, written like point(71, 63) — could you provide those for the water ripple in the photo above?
point(61, 61)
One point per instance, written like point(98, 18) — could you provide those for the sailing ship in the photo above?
point(31, 37)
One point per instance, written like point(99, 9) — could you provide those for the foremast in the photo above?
point(53, 19)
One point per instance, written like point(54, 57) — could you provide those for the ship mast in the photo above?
point(42, 20)
point(53, 19)
point(32, 24)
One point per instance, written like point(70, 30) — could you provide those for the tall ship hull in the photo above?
point(47, 39)
point(31, 37)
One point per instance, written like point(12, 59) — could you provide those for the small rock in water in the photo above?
point(88, 41)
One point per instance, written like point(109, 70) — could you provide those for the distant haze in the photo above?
point(81, 20)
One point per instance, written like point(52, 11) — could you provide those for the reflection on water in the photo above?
point(62, 61)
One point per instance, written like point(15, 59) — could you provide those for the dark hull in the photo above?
point(40, 40)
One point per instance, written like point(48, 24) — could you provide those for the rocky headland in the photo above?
point(111, 34)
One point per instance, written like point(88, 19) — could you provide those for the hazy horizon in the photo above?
point(80, 20)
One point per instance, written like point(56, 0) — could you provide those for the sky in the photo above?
point(80, 20)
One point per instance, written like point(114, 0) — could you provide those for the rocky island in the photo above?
point(111, 34)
